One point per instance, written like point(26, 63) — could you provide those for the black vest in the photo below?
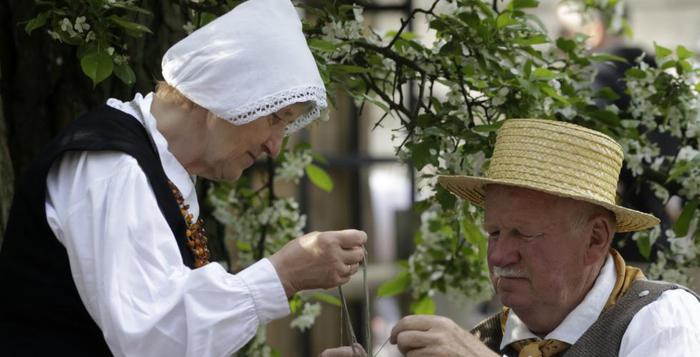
point(604, 337)
point(41, 313)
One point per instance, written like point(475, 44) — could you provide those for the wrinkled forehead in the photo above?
point(526, 205)
point(496, 193)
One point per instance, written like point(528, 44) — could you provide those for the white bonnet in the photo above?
point(248, 63)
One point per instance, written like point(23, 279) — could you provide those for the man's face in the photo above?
point(229, 149)
point(535, 252)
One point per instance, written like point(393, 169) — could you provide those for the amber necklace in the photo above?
point(196, 236)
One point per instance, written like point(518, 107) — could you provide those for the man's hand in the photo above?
point(345, 351)
point(428, 335)
point(319, 260)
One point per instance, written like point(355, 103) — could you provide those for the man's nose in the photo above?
point(503, 251)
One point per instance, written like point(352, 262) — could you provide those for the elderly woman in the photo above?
point(104, 254)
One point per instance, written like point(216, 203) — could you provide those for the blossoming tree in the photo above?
point(490, 60)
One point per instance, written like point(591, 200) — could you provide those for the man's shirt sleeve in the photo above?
point(667, 327)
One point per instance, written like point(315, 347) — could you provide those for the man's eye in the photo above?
point(529, 237)
point(494, 234)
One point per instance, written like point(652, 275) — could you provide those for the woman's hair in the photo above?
point(170, 94)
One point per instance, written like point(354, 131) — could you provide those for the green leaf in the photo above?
point(318, 157)
point(644, 245)
point(125, 73)
point(35, 23)
point(544, 74)
point(697, 87)
point(684, 53)
point(523, 4)
point(668, 64)
point(347, 68)
point(607, 93)
point(446, 199)
point(627, 29)
point(606, 57)
point(319, 177)
point(635, 72)
point(566, 44)
point(529, 41)
point(424, 306)
point(505, 19)
point(97, 66)
point(321, 45)
point(296, 304)
point(680, 168)
point(205, 18)
point(420, 153)
point(395, 286)
point(244, 246)
point(129, 26)
point(327, 298)
point(527, 68)
point(380, 104)
point(129, 7)
point(661, 52)
point(487, 128)
point(607, 117)
point(680, 228)
point(683, 66)
point(406, 35)
point(552, 93)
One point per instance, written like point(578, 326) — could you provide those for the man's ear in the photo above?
point(599, 238)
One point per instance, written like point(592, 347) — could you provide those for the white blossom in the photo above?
point(54, 35)
point(81, 25)
point(67, 26)
point(189, 27)
point(90, 36)
point(307, 317)
point(292, 169)
point(357, 12)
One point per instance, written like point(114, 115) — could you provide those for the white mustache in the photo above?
point(509, 272)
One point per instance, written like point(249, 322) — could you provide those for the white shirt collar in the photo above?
point(140, 108)
point(579, 319)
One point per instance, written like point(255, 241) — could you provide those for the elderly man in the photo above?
point(104, 252)
point(550, 215)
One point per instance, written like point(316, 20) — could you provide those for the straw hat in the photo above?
point(558, 158)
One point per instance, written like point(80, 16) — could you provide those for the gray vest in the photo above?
point(604, 337)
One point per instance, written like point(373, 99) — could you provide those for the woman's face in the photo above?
point(229, 149)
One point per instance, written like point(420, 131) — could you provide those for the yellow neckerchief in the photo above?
point(625, 276)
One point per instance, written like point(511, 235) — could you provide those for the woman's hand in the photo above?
point(319, 260)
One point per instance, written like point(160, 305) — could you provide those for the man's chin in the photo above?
point(513, 300)
point(511, 290)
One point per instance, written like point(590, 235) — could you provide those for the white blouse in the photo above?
point(127, 266)
point(666, 327)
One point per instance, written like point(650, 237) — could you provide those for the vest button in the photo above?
point(644, 293)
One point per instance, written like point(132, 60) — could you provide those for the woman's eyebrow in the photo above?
point(278, 117)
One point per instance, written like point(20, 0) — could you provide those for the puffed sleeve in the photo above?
point(129, 273)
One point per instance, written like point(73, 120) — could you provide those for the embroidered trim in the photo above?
point(272, 103)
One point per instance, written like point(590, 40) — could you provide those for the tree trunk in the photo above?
point(42, 87)
point(6, 174)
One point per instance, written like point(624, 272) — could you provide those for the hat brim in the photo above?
point(472, 189)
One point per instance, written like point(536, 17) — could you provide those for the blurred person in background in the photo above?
point(605, 36)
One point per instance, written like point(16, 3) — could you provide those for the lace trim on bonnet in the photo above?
point(267, 105)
